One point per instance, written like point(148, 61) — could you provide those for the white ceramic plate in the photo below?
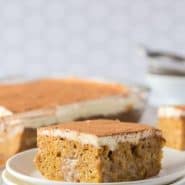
point(179, 182)
point(22, 167)
point(10, 180)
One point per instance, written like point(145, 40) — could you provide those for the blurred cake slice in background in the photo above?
point(172, 123)
point(48, 101)
point(99, 151)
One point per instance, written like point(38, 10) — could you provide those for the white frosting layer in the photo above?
point(4, 112)
point(169, 111)
point(104, 106)
point(110, 141)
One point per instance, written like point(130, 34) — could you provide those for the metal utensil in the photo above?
point(164, 63)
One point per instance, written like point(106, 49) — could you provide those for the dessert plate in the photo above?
point(22, 167)
point(10, 180)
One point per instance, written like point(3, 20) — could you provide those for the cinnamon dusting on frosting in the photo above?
point(100, 127)
point(52, 92)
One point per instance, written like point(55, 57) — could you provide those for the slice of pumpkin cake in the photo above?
point(171, 120)
point(99, 151)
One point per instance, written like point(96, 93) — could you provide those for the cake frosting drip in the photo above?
point(69, 169)
point(4, 111)
point(172, 111)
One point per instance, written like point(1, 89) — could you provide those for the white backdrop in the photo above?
point(86, 37)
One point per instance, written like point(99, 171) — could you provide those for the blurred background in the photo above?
point(95, 38)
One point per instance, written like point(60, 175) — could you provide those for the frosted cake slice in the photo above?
point(99, 151)
point(172, 123)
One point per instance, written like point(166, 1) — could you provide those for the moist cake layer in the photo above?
point(48, 93)
point(72, 161)
point(100, 132)
point(172, 111)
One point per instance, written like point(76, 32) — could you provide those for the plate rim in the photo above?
point(5, 172)
point(4, 178)
point(31, 179)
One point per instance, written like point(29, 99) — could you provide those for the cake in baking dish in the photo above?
point(77, 99)
point(99, 151)
point(48, 101)
point(172, 123)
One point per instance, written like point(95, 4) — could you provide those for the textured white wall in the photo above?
point(86, 37)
